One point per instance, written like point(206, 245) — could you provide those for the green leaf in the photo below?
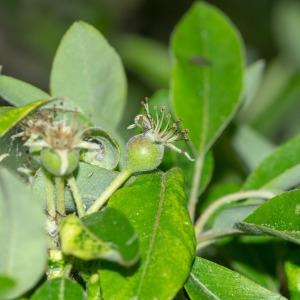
point(156, 206)
point(116, 231)
point(6, 284)
point(292, 272)
point(254, 257)
point(279, 171)
point(253, 79)
point(180, 295)
point(94, 287)
point(59, 289)
point(251, 146)
point(286, 22)
point(91, 182)
point(89, 272)
point(207, 75)
point(19, 93)
point(23, 250)
point(87, 70)
point(276, 78)
point(10, 116)
point(284, 109)
point(278, 217)
point(228, 217)
point(78, 241)
point(105, 234)
point(18, 155)
point(109, 153)
point(147, 58)
point(207, 281)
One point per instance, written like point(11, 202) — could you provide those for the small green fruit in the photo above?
point(143, 153)
point(60, 162)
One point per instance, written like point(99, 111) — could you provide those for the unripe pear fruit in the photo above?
point(59, 162)
point(143, 153)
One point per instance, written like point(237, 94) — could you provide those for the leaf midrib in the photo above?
point(154, 234)
point(86, 70)
point(203, 287)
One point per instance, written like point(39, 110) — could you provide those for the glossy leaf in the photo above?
point(23, 248)
point(209, 280)
point(10, 116)
point(156, 206)
point(278, 217)
point(105, 234)
point(19, 93)
point(207, 74)
point(279, 171)
point(87, 70)
point(91, 182)
point(59, 288)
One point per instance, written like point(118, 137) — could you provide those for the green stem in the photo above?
point(118, 181)
point(76, 195)
point(200, 224)
point(209, 237)
point(60, 195)
point(51, 207)
point(195, 186)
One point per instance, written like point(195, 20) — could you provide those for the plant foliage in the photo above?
point(77, 222)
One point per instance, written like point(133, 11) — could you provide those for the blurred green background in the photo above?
point(30, 31)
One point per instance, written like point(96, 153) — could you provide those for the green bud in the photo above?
point(60, 162)
point(143, 153)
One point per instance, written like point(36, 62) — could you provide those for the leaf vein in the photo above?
point(154, 234)
point(203, 287)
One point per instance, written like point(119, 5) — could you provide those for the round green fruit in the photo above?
point(143, 153)
point(59, 162)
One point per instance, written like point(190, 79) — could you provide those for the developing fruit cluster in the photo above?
point(58, 142)
point(144, 152)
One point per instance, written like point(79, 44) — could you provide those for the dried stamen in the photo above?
point(164, 135)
